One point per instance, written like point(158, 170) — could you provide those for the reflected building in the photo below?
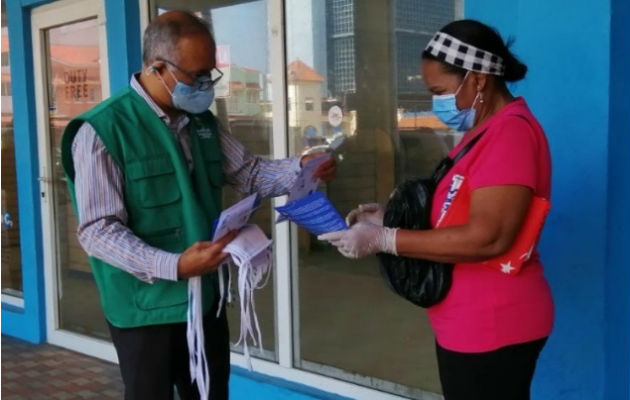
point(306, 35)
point(415, 21)
point(304, 102)
point(241, 88)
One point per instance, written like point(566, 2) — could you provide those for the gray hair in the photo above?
point(161, 37)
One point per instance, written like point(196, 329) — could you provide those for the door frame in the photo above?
point(42, 18)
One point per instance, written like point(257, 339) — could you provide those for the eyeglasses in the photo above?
point(201, 82)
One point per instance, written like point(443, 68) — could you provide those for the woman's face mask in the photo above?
point(445, 108)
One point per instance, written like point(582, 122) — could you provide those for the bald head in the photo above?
point(164, 33)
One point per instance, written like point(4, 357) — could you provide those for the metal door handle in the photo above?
point(46, 179)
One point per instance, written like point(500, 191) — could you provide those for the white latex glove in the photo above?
point(363, 239)
point(372, 213)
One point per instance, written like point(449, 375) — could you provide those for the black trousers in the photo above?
point(503, 374)
point(153, 359)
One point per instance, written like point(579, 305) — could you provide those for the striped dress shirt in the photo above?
point(103, 231)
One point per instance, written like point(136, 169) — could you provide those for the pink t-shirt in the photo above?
point(486, 309)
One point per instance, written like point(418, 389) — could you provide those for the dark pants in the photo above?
point(503, 374)
point(154, 358)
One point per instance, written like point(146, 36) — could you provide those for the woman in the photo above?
point(491, 326)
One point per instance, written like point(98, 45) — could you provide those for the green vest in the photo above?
point(168, 206)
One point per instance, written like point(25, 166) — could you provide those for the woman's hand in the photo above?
point(371, 212)
point(363, 239)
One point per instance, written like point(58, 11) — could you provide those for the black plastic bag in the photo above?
point(422, 282)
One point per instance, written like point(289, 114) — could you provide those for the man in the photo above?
point(145, 170)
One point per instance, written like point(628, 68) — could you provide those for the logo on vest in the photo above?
point(204, 133)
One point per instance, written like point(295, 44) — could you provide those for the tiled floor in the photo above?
point(45, 372)
point(50, 373)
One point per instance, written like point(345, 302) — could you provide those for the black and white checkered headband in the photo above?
point(453, 51)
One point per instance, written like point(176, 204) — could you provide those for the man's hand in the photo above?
point(203, 257)
point(326, 171)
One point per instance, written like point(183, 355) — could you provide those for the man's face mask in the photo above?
point(445, 108)
point(196, 97)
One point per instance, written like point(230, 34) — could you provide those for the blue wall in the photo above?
point(27, 323)
point(244, 383)
point(568, 50)
point(123, 41)
point(617, 313)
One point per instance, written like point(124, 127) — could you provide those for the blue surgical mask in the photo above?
point(445, 108)
point(189, 98)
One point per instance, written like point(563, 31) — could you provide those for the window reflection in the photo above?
point(353, 71)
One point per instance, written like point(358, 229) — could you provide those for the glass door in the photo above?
point(71, 77)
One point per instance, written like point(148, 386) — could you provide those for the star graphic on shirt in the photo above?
point(507, 268)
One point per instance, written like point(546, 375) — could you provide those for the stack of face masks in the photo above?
point(198, 363)
point(251, 253)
